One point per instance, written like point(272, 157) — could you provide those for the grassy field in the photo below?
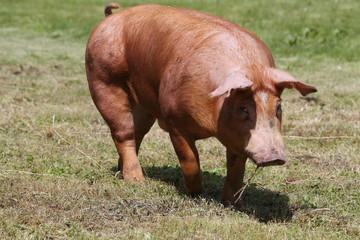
point(58, 162)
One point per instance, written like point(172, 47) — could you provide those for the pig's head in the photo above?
point(250, 117)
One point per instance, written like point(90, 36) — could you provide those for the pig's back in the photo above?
point(160, 46)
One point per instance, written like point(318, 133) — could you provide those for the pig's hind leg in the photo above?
point(143, 121)
point(122, 114)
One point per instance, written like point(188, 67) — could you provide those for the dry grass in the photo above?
point(58, 162)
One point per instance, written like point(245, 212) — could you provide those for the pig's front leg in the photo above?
point(234, 178)
point(189, 161)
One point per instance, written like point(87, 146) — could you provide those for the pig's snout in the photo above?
point(266, 152)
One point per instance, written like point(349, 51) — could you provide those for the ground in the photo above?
point(58, 162)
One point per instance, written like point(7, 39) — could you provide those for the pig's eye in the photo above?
point(243, 113)
point(278, 111)
point(243, 109)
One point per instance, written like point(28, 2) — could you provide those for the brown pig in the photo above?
point(200, 76)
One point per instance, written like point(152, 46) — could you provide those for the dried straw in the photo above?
point(241, 190)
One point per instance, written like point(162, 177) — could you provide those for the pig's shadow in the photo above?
point(263, 204)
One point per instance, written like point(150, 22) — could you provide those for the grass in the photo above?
point(58, 162)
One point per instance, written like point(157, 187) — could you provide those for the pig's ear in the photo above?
point(286, 80)
point(236, 80)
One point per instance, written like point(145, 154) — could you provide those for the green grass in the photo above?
point(58, 162)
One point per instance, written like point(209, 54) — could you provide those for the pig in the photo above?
point(199, 76)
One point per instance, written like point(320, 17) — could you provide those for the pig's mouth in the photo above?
point(278, 159)
point(271, 162)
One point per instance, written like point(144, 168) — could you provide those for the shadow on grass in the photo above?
point(263, 204)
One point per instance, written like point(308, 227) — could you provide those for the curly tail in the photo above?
point(109, 7)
